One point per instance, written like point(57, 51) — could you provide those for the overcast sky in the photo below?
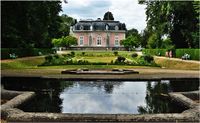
point(126, 11)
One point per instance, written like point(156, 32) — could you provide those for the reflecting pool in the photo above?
point(105, 97)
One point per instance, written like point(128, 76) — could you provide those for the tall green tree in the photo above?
point(131, 42)
point(64, 41)
point(173, 19)
point(108, 16)
point(65, 24)
point(28, 23)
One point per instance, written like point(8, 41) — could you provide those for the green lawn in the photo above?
point(91, 56)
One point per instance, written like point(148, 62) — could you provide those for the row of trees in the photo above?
point(170, 24)
point(32, 24)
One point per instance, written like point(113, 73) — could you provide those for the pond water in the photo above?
point(105, 97)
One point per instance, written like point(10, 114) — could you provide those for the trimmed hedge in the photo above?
point(23, 52)
point(194, 53)
point(157, 52)
point(178, 53)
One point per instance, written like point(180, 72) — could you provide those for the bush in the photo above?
point(72, 53)
point(115, 53)
point(83, 53)
point(148, 58)
point(157, 52)
point(48, 58)
point(134, 55)
point(120, 59)
point(194, 53)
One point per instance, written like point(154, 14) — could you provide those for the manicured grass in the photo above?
point(173, 64)
point(93, 57)
point(22, 63)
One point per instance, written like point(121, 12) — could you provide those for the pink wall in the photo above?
point(103, 35)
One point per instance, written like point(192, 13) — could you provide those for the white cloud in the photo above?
point(126, 11)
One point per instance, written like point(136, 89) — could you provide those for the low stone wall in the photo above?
point(16, 115)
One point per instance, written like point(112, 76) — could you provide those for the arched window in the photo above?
point(91, 27)
point(99, 41)
point(107, 27)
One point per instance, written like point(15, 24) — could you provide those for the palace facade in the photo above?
point(99, 33)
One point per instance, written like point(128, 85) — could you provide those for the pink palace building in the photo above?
point(99, 33)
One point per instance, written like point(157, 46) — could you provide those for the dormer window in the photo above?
point(116, 28)
point(91, 27)
point(106, 27)
point(81, 27)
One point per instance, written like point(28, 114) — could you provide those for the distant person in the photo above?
point(166, 54)
point(170, 54)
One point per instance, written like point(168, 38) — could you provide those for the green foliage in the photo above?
point(157, 52)
point(131, 42)
point(120, 60)
point(79, 59)
point(194, 53)
point(148, 58)
point(72, 53)
point(134, 55)
point(172, 19)
point(132, 31)
point(29, 22)
point(167, 44)
point(153, 41)
point(23, 52)
point(64, 41)
point(83, 53)
point(108, 16)
point(115, 53)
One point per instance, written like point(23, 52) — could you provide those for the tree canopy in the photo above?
point(108, 16)
point(33, 24)
point(64, 41)
point(131, 42)
point(176, 20)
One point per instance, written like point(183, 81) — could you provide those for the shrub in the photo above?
point(134, 55)
point(56, 56)
point(157, 52)
point(120, 59)
point(83, 53)
point(115, 53)
point(23, 52)
point(48, 58)
point(194, 53)
point(148, 58)
point(72, 53)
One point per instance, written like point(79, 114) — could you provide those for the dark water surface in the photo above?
point(113, 97)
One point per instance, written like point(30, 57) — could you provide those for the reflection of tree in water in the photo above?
point(107, 85)
point(155, 102)
point(47, 93)
point(184, 85)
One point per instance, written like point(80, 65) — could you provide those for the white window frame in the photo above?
point(117, 41)
point(81, 38)
point(99, 41)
